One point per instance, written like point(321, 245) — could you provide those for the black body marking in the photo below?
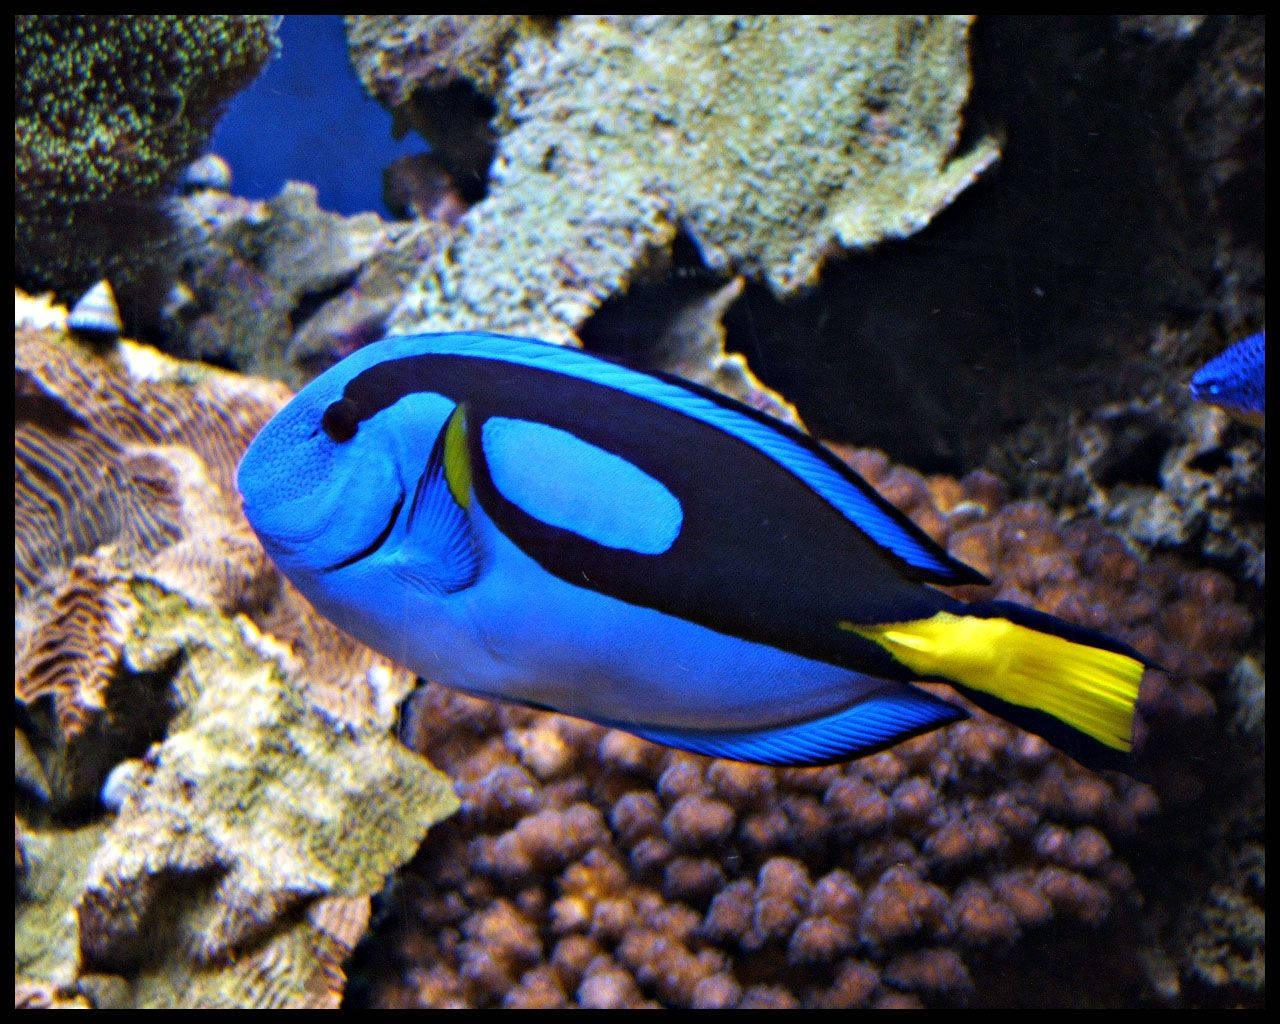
point(341, 419)
point(381, 386)
point(760, 556)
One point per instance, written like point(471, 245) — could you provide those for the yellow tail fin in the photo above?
point(1089, 689)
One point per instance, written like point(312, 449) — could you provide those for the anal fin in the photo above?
point(878, 721)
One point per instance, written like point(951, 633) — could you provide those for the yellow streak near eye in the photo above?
point(457, 463)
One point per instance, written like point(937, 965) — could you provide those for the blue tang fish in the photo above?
point(1235, 380)
point(532, 523)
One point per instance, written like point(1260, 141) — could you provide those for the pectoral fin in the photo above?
point(437, 547)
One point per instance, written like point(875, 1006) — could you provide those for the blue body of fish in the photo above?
point(531, 523)
point(1235, 380)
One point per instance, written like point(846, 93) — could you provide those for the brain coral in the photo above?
point(203, 810)
point(108, 111)
point(590, 868)
point(124, 462)
point(772, 141)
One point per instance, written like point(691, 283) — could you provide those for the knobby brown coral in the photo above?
point(602, 870)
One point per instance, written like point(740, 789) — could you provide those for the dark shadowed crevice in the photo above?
point(1026, 297)
point(627, 326)
point(457, 122)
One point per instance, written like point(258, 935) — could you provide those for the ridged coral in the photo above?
point(109, 109)
point(123, 463)
point(254, 795)
point(770, 140)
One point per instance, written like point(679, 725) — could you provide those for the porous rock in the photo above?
point(771, 141)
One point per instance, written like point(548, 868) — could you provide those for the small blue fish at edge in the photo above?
point(1235, 380)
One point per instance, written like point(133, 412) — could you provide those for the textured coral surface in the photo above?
point(760, 137)
point(283, 288)
point(259, 808)
point(395, 54)
point(1208, 492)
point(203, 811)
point(591, 868)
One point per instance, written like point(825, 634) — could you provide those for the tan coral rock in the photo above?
point(693, 347)
point(253, 833)
point(771, 140)
point(393, 54)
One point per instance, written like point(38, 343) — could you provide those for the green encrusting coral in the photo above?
point(108, 109)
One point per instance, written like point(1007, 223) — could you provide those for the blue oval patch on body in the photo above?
point(567, 483)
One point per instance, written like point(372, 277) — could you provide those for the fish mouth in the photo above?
point(281, 543)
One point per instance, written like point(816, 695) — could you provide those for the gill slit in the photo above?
point(378, 541)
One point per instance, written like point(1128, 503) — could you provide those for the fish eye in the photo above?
point(341, 419)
